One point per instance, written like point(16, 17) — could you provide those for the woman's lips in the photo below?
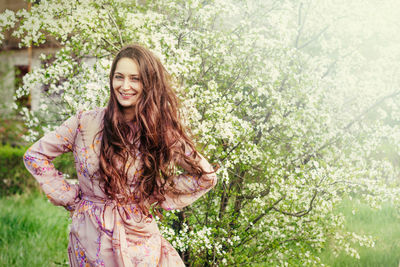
point(127, 95)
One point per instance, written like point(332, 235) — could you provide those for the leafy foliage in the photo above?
point(15, 179)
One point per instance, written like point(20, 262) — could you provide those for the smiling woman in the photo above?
point(125, 156)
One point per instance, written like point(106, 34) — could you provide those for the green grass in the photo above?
point(383, 225)
point(33, 232)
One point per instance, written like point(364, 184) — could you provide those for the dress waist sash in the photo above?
point(121, 221)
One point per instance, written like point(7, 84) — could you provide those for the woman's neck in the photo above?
point(128, 113)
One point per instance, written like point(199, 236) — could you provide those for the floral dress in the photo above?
point(103, 232)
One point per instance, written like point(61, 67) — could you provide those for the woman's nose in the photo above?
point(126, 84)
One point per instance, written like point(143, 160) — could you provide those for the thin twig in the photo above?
point(116, 25)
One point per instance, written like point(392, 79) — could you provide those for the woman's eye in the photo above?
point(135, 79)
point(118, 76)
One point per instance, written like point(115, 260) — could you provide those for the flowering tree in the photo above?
point(266, 90)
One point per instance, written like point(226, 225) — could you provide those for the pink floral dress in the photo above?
point(104, 233)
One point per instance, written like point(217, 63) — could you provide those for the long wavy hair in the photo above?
point(157, 137)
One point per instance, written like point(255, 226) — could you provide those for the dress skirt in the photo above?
point(104, 233)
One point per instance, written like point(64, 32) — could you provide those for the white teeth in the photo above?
point(127, 94)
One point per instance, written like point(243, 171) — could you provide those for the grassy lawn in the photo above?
point(382, 224)
point(33, 232)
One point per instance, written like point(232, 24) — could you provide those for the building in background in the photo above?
point(15, 62)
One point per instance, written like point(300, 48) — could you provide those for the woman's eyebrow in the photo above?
point(117, 72)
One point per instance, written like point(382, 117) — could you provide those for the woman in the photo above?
point(125, 156)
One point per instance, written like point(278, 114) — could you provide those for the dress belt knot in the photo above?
point(108, 202)
point(123, 225)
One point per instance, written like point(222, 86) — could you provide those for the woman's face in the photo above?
point(126, 82)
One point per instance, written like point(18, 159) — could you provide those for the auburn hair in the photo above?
point(157, 136)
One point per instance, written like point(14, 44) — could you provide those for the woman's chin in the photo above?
point(126, 104)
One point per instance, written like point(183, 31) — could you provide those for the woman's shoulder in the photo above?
point(93, 113)
point(93, 116)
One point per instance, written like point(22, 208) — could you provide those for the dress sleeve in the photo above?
point(188, 187)
point(38, 160)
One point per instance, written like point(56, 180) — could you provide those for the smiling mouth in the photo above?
point(127, 95)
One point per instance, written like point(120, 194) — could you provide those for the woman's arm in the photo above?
point(38, 160)
point(188, 187)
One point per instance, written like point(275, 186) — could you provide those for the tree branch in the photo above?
point(261, 194)
point(116, 25)
point(308, 155)
point(315, 37)
point(303, 212)
point(259, 217)
point(230, 151)
point(300, 24)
